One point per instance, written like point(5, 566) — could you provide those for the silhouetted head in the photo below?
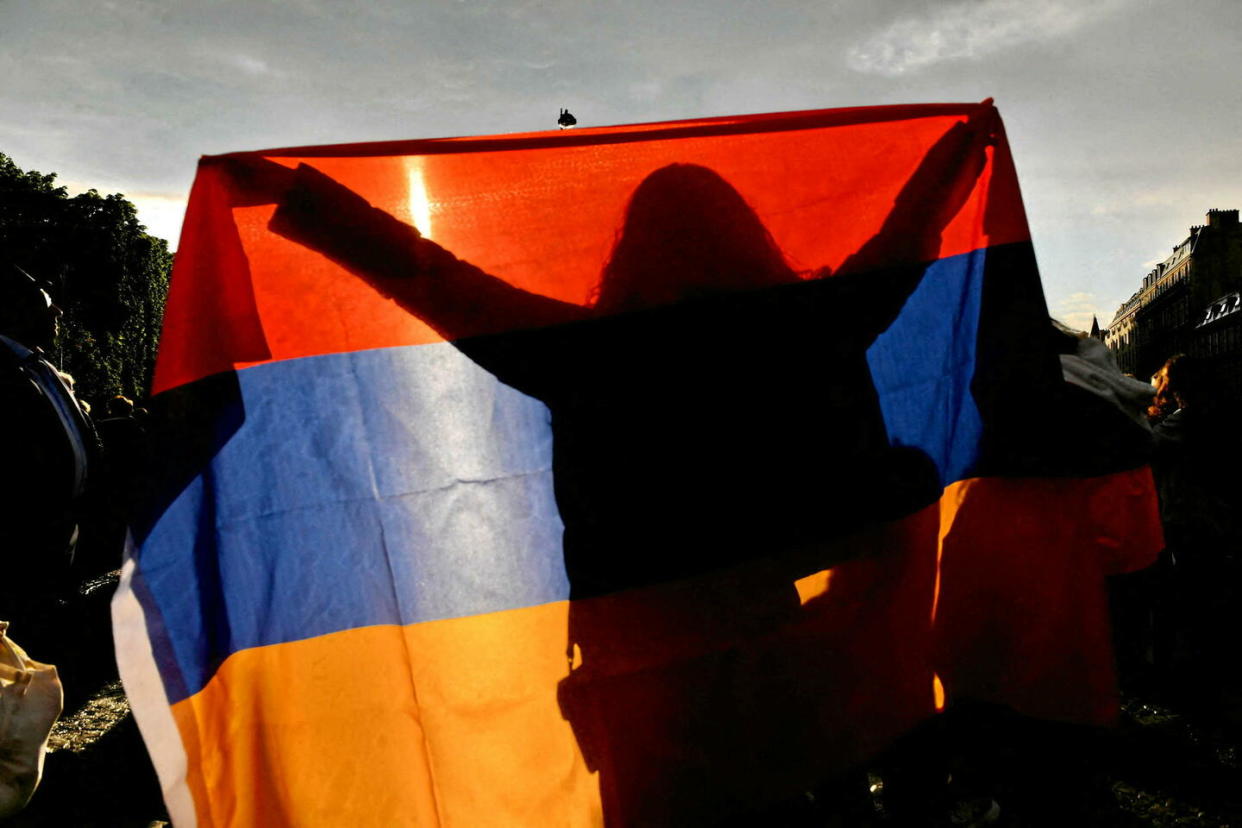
point(688, 233)
point(27, 313)
point(1185, 379)
point(120, 406)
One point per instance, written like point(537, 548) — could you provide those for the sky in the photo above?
point(1124, 115)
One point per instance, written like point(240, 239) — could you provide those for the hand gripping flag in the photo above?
point(612, 475)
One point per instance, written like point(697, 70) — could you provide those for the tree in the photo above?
point(100, 266)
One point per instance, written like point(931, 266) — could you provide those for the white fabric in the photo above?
point(147, 698)
point(1093, 369)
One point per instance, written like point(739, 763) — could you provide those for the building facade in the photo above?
point(1188, 304)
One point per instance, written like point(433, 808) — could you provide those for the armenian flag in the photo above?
point(609, 475)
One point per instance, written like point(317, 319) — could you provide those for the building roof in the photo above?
point(1180, 253)
point(1227, 305)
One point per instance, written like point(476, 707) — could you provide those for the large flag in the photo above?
point(607, 475)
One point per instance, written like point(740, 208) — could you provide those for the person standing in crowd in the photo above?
point(662, 423)
point(123, 437)
point(1196, 465)
point(46, 444)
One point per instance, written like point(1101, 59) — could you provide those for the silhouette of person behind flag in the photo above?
point(711, 407)
point(711, 401)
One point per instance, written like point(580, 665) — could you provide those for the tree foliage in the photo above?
point(100, 266)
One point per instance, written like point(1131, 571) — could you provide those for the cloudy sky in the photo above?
point(1124, 115)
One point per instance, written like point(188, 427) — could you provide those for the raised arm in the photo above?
point(930, 199)
point(454, 297)
point(890, 265)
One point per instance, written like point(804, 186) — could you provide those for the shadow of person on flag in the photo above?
point(715, 428)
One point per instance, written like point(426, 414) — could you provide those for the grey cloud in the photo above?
point(971, 29)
